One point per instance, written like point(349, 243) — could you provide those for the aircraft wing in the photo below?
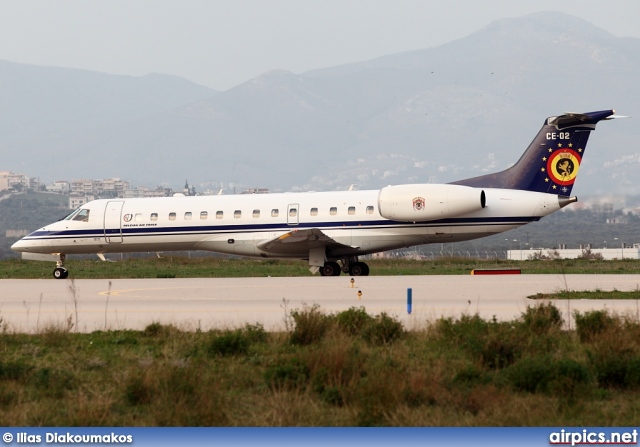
point(301, 242)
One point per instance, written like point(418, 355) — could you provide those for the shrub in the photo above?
point(592, 323)
point(383, 330)
point(353, 320)
point(14, 370)
point(136, 391)
point(541, 318)
point(154, 329)
point(541, 374)
point(229, 343)
point(632, 376)
point(470, 376)
point(310, 325)
point(468, 331)
point(614, 365)
point(291, 374)
point(501, 347)
point(53, 382)
point(255, 333)
point(496, 345)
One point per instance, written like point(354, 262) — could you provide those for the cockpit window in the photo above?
point(82, 215)
point(71, 215)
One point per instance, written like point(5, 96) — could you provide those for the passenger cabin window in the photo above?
point(203, 215)
point(351, 210)
point(274, 213)
point(138, 217)
point(172, 216)
point(237, 214)
point(187, 215)
point(369, 209)
point(333, 210)
point(256, 213)
point(154, 217)
point(82, 216)
point(293, 212)
point(314, 211)
point(219, 214)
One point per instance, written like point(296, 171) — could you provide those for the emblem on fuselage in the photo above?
point(127, 217)
point(418, 203)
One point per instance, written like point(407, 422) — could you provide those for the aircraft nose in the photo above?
point(21, 245)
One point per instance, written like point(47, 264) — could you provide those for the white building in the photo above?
point(574, 253)
point(9, 180)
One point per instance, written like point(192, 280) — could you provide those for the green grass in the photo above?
point(349, 369)
point(588, 295)
point(214, 267)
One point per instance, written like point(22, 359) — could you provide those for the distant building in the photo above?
point(112, 187)
point(256, 191)
point(59, 186)
point(78, 199)
point(147, 192)
point(12, 181)
point(623, 252)
point(16, 233)
point(621, 220)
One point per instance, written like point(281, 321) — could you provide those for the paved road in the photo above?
point(32, 305)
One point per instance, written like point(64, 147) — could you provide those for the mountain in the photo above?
point(438, 114)
point(45, 111)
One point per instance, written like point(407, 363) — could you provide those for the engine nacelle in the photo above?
point(422, 202)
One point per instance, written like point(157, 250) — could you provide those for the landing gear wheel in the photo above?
point(330, 269)
point(60, 273)
point(358, 269)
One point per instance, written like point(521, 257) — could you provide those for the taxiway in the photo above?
point(90, 305)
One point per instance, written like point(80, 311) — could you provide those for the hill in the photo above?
point(433, 115)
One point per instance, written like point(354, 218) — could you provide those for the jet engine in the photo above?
point(422, 202)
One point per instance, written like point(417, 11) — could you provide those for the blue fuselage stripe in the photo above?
point(223, 229)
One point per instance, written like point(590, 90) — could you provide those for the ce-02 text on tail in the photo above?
point(331, 230)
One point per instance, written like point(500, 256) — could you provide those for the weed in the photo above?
point(75, 296)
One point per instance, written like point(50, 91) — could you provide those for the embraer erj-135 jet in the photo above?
point(331, 230)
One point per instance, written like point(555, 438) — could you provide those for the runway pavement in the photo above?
point(33, 305)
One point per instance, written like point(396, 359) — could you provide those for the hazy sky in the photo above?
point(220, 43)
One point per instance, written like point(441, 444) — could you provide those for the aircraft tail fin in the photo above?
point(552, 161)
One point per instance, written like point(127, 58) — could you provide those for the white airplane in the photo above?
point(331, 230)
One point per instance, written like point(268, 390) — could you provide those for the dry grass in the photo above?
point(455, 372)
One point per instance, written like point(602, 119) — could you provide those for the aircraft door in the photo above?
point(293, 213)
point(113, 222)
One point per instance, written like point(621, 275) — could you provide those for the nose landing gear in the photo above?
point(60, 272)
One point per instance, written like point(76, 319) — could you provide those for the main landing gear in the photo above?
point(351, 266)
point(60, 272)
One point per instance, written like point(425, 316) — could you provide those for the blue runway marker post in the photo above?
point(409, 300)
